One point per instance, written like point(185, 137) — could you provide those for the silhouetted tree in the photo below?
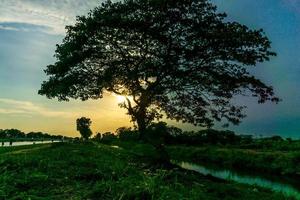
point(290, 140)
point(123, 129)
point(276, 138)
point(35, 135)
point(83, 126)
point(98, 137)
point(157, 134)
point(174, 131)
point(108, 137)
point(12, 133)
point(247, 139)
point(127, 134)
point(179, 58)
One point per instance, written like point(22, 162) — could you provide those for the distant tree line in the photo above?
point(160, 134)
point(20, 135)
point(170, 135)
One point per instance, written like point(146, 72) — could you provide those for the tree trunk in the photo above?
point(141, 122)
point(141, 128)
point(162, 157)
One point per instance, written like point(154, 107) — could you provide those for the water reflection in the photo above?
point(8, 144)
point(285, 188)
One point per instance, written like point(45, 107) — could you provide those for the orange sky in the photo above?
point(59, 117)
point(49, 115)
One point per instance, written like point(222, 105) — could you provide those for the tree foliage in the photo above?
point(127, 134)
point(83, 126)
point(108, 138)
point(179, 58)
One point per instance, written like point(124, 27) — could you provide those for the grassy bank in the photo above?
point(272, 162)
point(89, 171)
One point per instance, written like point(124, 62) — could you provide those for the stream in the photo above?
point(288, 189)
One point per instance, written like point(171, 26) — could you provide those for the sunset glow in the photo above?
point(29, 31)
point(120, 99)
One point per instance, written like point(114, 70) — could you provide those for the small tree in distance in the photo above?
point(98, 137)
point(83, 126)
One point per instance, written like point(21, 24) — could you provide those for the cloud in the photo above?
point(54, 14)
point(23, 27)
point(77, 109)
point(11, 106)
point(8, 28)
point(11, 111)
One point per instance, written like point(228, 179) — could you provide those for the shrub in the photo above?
point(108, 138)
point(127, 134)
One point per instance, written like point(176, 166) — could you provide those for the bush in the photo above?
point(157, 133)
point(108, 138)
point(208, 136)
point(97, 137)
point(127, 134)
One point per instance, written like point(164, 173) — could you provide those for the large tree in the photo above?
point(177, 58)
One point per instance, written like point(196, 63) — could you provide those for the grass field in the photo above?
point(95, 171)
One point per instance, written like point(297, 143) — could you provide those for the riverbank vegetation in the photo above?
point(259, 161)
point(98, 171)
point(273, 155)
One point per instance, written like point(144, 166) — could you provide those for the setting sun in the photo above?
point(120, 98)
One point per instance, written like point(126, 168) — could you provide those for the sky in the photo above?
point(30, 29)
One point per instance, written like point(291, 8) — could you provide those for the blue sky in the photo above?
point(280, 19)
point(29, 30)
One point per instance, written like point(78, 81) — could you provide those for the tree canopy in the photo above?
point(178, 58)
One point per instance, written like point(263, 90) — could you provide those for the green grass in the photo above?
point(265, 144)
point(264, 161)
point(92, 171)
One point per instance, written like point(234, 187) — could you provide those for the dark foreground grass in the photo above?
point(90, 171)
